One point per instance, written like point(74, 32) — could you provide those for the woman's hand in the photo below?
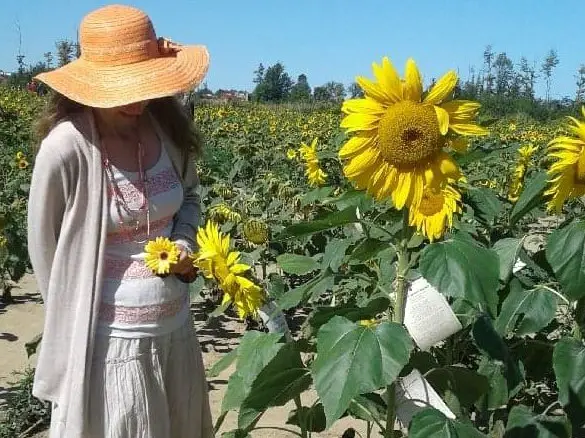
point(184, 268)
point(185, 265)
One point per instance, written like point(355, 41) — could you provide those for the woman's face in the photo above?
point(121, 118)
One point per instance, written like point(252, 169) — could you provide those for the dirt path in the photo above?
point(21, 321)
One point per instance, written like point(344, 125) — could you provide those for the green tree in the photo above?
point(488, 60)
point(65, 51)
point(321, 94)
point(548, 65)
point(527, 78)
point(301, 91)
point(48, 59)
point(504, 74)
point(580, 77)
point(336, 91)
point(275, 86)
point(259, 74)
point(355, 90)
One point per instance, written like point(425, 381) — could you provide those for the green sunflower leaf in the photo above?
point(460, 268)
point(531, 197)
point(354, 359)
point(433, 423)
point(565, 252)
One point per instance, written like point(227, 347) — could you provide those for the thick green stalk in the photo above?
point(398, 314)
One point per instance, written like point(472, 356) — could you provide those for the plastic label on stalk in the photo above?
point(274, 319)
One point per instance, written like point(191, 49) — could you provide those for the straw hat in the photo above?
point(122, 61)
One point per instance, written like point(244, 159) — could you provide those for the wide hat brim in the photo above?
point(102, 86)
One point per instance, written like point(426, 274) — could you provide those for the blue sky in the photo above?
point(328, 39)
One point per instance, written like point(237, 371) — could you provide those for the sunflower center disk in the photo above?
point(164, 256)
point(409, 133)
point(431, 204)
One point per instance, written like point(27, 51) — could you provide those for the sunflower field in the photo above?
point(17, 110)
point(435, 256)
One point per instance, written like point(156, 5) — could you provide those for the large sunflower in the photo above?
point(567, 173)
point(434, 214)
point(401, 133)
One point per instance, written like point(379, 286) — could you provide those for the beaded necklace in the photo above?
point(120, 202)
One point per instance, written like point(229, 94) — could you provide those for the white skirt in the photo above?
point(152, 387)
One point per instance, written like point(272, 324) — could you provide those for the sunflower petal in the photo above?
point(448, 167)
point(372, 89)
point(443, 117)
point(361, 163)
point(402, 191)
point(355, 144)
point(468, 129)
point(389, 80)
point(442, 89)
point(412, 88)
point(461, 110)
point(360, 122)
point(366, 105)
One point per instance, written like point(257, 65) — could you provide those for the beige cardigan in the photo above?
point(67, 214)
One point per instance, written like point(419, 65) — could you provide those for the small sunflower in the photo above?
point(223, 212)
point(222, 190)
point(161, 255)
point(434, 214)
point(20, 155)
point(400, 134)
point(247, 298)
point(517, 184)
point(22, 164)
point(313, 171)
point(256, 231)
point(567, 172)
point(291, 154)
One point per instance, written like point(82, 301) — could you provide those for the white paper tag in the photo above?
point(428, 316)
point(413, 394)
point(518, 266)
point(274, 318)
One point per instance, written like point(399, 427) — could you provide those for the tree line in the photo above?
point(274, 84)
point(65, 52)
point(502, 85)
point(506, 87)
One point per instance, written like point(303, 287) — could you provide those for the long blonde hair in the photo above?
point(168, 111)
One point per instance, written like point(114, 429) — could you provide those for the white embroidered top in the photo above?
point(135, 302)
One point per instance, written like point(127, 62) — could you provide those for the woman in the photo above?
point(119, 356)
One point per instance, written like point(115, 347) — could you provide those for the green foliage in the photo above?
point(24, 411)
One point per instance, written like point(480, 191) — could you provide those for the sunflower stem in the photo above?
point(301, 416)
point(400, 290)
